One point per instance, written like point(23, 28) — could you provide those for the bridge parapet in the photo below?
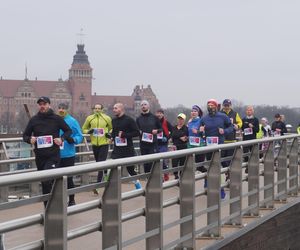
point(263, 185)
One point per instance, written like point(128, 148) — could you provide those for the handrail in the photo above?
point(111, 201)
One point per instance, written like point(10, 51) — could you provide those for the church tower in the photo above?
point(80, 79)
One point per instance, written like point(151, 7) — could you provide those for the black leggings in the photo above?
point(100, 154)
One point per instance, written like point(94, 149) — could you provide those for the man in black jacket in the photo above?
point(42, 131)
point(149, 126)
point(124, 129)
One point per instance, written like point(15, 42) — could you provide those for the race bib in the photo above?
point(147, 137)
point(248, 131)
point(120, 142)
point(98, 132)
point(212, 140)
point(194, 140)
point(61, 147)
point(45, 141)
point(160, 135)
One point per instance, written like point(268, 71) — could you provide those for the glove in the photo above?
point(108, 136)
point(70, 140)
point(91, 131)
point(164, 139)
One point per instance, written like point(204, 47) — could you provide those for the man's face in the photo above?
point(43, 107)
point(159, 115)
point(117, 110)
point(62, 112)
point(144, 107)
point(97, 108)
point(226, 107)
point(249, 111)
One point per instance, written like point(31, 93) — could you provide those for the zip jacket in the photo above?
point(68, 149)
point(98, 121)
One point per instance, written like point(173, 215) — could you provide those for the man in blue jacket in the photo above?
point(67, 150)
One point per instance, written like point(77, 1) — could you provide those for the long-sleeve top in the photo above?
point(46, 124)
point(146, 123)
point(177, 134)
point(194, 123)
point(68, 149)
point(129, 130)
point(166, 134)
point(98, 121)
point(214, 122)
point(246, 121)
point(279, 125)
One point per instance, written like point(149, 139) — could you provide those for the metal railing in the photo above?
point(268, 180)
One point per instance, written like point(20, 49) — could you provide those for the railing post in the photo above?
point(293, 168)
point(253, 181)
point(282, 172)
point(187, 202)
point(236, 186)
point(1, 241)
point(213, 195)
point(4, 168)
point(56, 217)
point(111, 211)
point(154, 207)
point(269, 177)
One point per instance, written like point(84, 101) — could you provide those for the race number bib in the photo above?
point(212, 140)
point(98, 132)
point(248, 131)
point(194, 140)
point(160, 135)
point(147, 137)
point(120, 142)
point(45, 141)
point(61, 147)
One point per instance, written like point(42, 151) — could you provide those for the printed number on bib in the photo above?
point(194, 140)
point(98, 132)
point(248, 131)
point(160, 135)
point(120, 142)
point(45, 141)
point(212, 140)
point(147, 137)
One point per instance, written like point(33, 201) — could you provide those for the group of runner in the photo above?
point(54, 136)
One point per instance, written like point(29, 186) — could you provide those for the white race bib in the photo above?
point(212, 140)
point(98, 132)
point(120, 142)
point(45, 141)
point(194, 140)
point(160, 135)
point(62, 146)
point(147, 137)
point(248, 131)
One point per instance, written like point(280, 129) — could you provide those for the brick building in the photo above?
point(76, 90)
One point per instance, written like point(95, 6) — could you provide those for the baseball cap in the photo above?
point(227, 102)
point(182, 116)
point(43, 99)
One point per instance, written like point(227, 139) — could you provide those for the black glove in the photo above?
point(108, 136)
point(91, 131)
point(70, 140)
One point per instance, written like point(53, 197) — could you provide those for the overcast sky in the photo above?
point(188, 51)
